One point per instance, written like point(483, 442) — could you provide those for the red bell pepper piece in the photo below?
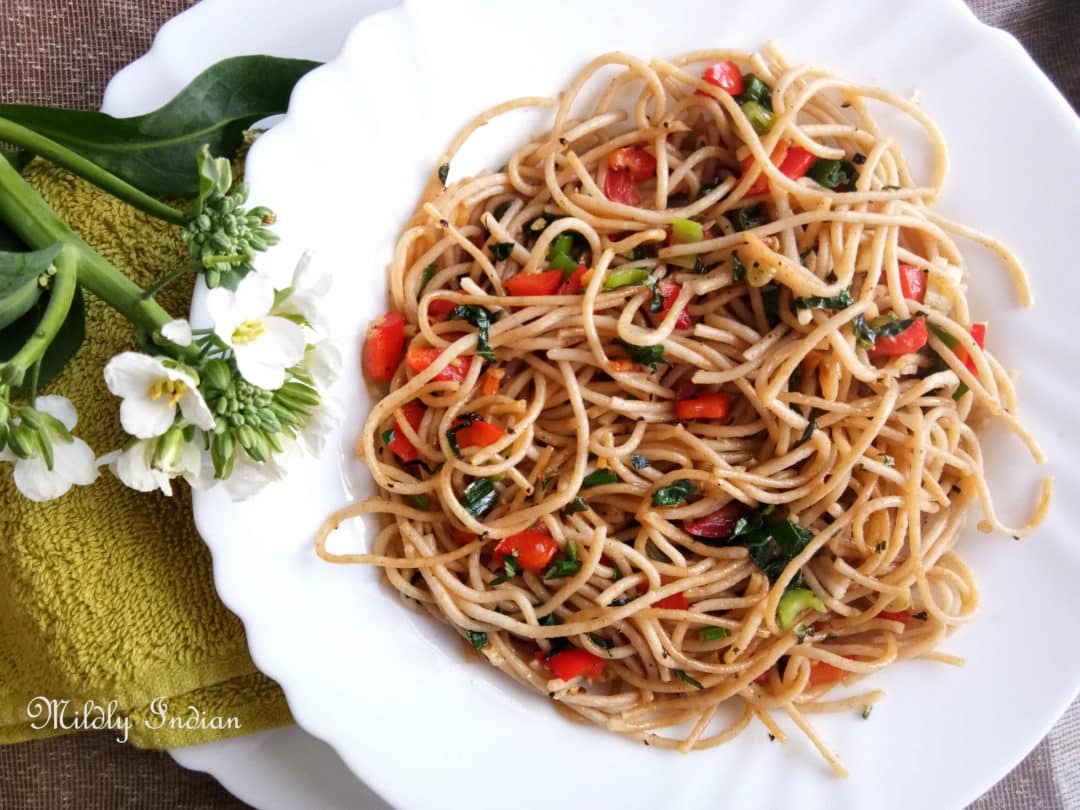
point(669, 291)
point(420, 359)
point(479, 434)
point(534, 549)
point(620, 187)
point(569, 664)
point(796, 163)
point(704, 406)
point(902, 616)
point(384, 346)
point(726, 76)
point(822, 673)
point(545, 283)
point(717, 526)
point(793, 162)
point(639, 163)
point(913, 282)
point(677, 601)
point(907, 342)
point(400, 445)
point(573, 284)
point(978, 333)
point(440, 308)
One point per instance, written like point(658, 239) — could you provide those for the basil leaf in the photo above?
point(551, 620)
point(388, 436)
point(893, 326)
point(463, 421)
point(841, 301)
point(500, 210)
point(479, 317)
point(738, 272)
point(575, 506)
point(865, 337)
point(743, 219)
point(833, 173)
point(598, 478)
point(770, 302)
point(705, 189)
point(571, 551)
point(601, 642)
point(429, 271)
point(674, 494)
point(639, 462)
point(156, 152)
point(501, 251)
point(479, 497)
point(811, 426)
point(511, 568)
point(19, 286)
point(562, 568)
point(444, 172)
point(682, 676)
point(477, 639)
point(771, 546)
point(624, 600)
point(645, 355)
point(657, 303)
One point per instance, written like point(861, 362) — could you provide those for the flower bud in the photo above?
point(245, 434)
point(223, 454)
point(169, 449)
point(23, 441)
point(215, 374)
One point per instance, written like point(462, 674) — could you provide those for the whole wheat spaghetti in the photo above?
point(688, 412)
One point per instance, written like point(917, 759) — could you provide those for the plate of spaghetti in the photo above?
point(693, 443)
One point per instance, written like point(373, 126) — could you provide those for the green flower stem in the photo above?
point(63, 293)
point(74, 162)
point(31, 218)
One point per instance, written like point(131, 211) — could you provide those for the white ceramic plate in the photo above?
point(389, 691)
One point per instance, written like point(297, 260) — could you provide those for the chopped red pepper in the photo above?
point(978, 333)
point(677, 601)
point(726, 76)
point(534, 548)
point(573, 284)
point(913, 282)
point(492, 381)
point(797, 163)
point(903, 616)
point(420, 359)
point(686, 389)
point(639, 163)
point(822, 673)
point(462, 537)
point(400, 445)
point(620, 187)
point(545, 283)
point(440, 308)
point(669, 291)
point(384, 346)
point(479, 434)
point(569, 664)
point(704, 406)
point(717, 526)
point(907, 342)
point(792, 161)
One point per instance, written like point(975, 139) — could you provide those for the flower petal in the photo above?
point(178, 331)
point(263, 361)
point(37, 483)
point(195, 409)
point(221, 304)
point(59, 408)
point(254, 298)
point(133, 468)
point(146, 418)
point(130, 374)
point(75, 461)
point(324, 363)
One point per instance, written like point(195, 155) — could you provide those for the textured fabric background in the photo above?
point(64, 52)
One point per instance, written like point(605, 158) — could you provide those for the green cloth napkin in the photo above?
point(107, 594)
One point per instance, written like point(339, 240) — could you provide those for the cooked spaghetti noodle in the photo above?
point(688, 414)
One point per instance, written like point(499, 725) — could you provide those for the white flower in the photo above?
point(264, 344)
point(249, 477)
point(323, 362)
point(135, 467)
point(151, 392)
point(309, 286)
point(319, 424)
point(178, 332)
point(73, 460)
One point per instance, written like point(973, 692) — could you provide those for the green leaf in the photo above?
point(645, 355)
point(18, 158)
point(429, 271)
point(682, 676)
point(738, 272)
point(479, 317)
point(833, 173)
point(598, 478)
point(477, 639)
point(500, 251)
point(480, 497)
point(156, 152)
point(639, 462)
point(575, 506)
point(444, 172)
point(707, 634)
point(674, 494)
point(562, 568)
point(60, 351)
point(771, 546)
point(19, 287)
point(743, 219)
point(841, 301)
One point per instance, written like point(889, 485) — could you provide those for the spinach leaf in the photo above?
point(639, 462)
point(500, 251)
point(479, 317)
point(682, 676)
point(463, 421)
point(674, 494)
point(645, 355)
point(833, 173)
point(19, 287)
point(598, 478)
point(444, 172)
point(429, 272)
point(156, 152)
point(479, 497)
point(771, 545)
point(738, 272)
point(421, 502)
point(575, 506)
point(743, 219)
point(511, 568)
point(841, 301)
point(601, 642)
point(811, 426)
point(477, 639)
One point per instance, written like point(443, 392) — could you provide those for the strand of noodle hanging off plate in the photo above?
point(893, 456)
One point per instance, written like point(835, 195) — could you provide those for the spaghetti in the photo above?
point(687, 417)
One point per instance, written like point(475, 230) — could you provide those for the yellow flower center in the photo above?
point(174, 389)
point(248, 331)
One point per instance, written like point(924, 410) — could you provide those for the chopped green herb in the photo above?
point(575, 506)
point(549, 621)
point(754, 89)
point(617, 573)
point(771, 545)
point(738, 272)
point(657, 302)
point(890, 188)
point(699, 266)
point(833, 173)
point(501, 251)
point(478, 640)
point(562, 568)
point(639, 462)
point(463, 421)
point(444, 172)
point(421, 502)
point(961, 389)
point(707, 634)
point(645, 355)
point(811, 426)
point(479, 497)
point(770, 302)
point(794, 602)
point(511, 568)
point(865, 337)
point(795, 378)
point(922, 616)
point(761, 118)
point(546, 482)
point(866, 711)
point(429, 271)
point(501, 210)
point(880, 547)
point(705, 189)
point(479, 317)
point(636, 254)
point(653, 552)
point(571, 551)
point(559, 255)
point(601, 642)
point(682, 676)
point(674, 494)
point(625, 277)
point(943, 335)
point(891, 326)
point(388, 436)
point(624, 600)
point(598, 478)
point(841, 301)
point(888, 461)
point(743, 219)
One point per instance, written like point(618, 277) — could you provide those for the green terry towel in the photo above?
point(106, 595)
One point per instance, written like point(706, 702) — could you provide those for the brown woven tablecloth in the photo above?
point(64, 52)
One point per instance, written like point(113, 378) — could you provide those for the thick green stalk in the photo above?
point(31, 218)
point(88, 170)
point(64, 283)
